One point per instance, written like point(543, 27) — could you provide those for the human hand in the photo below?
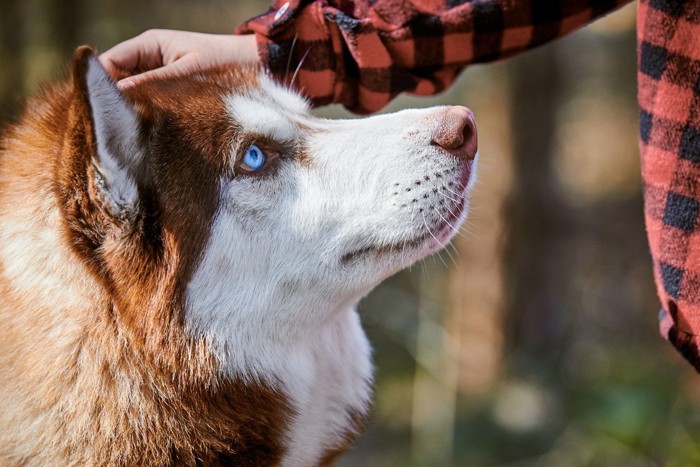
point(161, 52)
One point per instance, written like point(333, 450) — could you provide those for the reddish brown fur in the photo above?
point(122, 383)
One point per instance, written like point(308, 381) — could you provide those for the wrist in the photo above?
point(247, 48)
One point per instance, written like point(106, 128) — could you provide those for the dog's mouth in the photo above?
point(432, 238)
point(383, 250)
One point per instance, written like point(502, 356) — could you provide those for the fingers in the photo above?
point(181, 66)
point(143, 52)
point(160, 53)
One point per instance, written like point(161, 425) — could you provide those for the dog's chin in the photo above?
point(429, 240)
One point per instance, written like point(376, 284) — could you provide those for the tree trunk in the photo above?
point(536, 219)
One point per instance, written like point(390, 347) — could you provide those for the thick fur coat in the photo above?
point(165, 303)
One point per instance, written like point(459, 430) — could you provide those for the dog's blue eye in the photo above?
point(254, 158)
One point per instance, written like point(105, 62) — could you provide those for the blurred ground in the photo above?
point(533, 340)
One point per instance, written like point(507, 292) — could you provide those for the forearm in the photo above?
point(363, 55)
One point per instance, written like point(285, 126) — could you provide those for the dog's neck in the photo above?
point(305, 402)
point(309, 344)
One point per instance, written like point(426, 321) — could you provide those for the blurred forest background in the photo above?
point(533, 340)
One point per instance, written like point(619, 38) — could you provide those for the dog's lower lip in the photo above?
point(439, 237)
point(353, 255)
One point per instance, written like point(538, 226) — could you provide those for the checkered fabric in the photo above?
point(668, 33)
point(363, 53)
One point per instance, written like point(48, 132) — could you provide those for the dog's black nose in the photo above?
point(455, 131)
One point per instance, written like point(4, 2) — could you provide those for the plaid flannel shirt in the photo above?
point(363, 53)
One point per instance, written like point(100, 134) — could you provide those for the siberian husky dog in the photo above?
point(180, 265)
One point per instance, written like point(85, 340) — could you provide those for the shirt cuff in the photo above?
point(685, 343)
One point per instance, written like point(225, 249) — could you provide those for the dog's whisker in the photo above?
point(452, 213)
point(449, 207)
point(436, 239)
point(289, 61)
point(455, 256)
point(447, 250)
point(459, 196)
point(425, 223)
point(405, 241)
point(457, 230)
point(454, 229)
point(446, 196)
point(447, 187)
point(467, 229)
point(301, 62)
point(456, 251)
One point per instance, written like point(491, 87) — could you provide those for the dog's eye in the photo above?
point(253, 160)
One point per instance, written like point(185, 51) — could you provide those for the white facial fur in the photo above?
point(292, 251)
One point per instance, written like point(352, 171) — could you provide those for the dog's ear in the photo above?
point(111, 130)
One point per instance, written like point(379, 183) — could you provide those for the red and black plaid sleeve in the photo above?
point(669, 100)
point(363, 53)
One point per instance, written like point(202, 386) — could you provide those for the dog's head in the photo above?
point(219, 194)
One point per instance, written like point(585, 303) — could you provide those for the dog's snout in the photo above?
point(455, 131)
